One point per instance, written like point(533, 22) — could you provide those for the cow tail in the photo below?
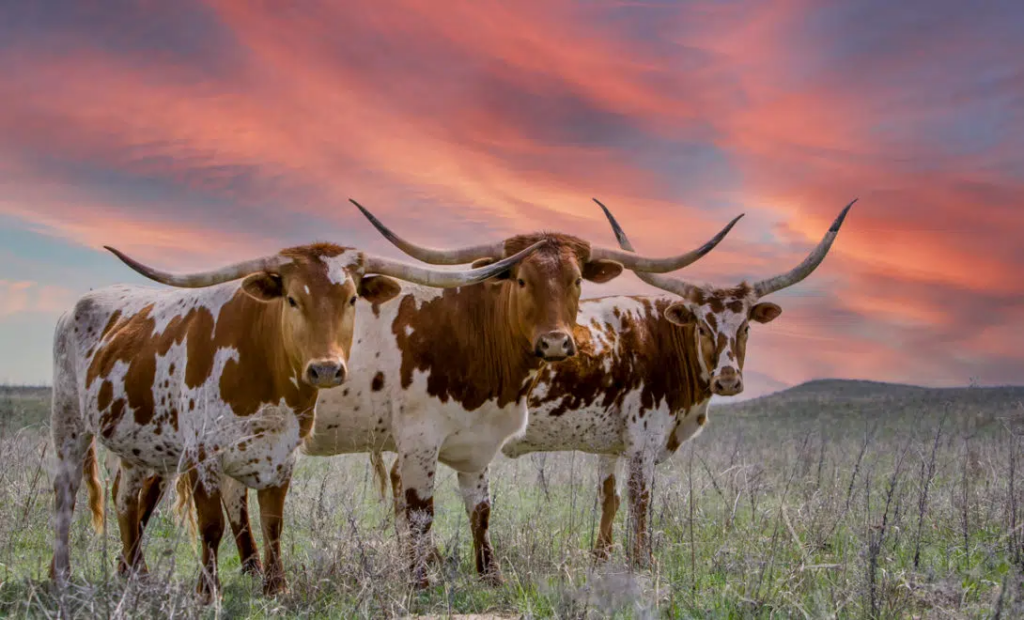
point(380, 473)
point(94, 486)
point(183, 506)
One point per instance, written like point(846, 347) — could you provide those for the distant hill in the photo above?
point(22, 406)
point(830, 404)
point(838, 403)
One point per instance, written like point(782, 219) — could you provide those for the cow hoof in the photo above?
point(435, 558)
point(252, 567)
point(59, 578)
point(207, 592)
point(420, 580)
point(493, 578)
point(274, 584)
point(601, 554)
point(126, 571)
point(643, 561)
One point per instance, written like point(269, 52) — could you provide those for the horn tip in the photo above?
point(841, 217)
point(115, 251)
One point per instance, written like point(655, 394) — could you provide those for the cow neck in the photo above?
point(689, 367)
point(672, 371)
point(504, 358)
point(466, 341)
point(265, 372)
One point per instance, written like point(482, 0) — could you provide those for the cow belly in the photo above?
point(479, 435)
point(341, 428)
point(264, 448)
point(595, 432)
point(144, 447)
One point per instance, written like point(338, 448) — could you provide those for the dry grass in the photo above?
point(893, 514)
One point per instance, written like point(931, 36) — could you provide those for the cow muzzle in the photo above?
point(325, 373)
point(555, 346)
point(727, 382)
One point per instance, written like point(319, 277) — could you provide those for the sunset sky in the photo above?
point(191, 134)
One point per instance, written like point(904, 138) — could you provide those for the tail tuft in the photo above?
point(183, 506)
point(93, 484)
point(380, 473)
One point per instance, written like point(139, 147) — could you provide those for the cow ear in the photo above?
point(765, 312)
point(601, 271)
point(264, 286)
point(498, 279)
point(378, 289)
point(680, 314)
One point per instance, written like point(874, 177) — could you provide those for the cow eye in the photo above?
point(579, 281)
point(291, 302)
point(522, 283)
point(352, 301)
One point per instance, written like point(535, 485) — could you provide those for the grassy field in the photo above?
point(832, 499)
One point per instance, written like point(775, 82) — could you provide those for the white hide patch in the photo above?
point(338, 266)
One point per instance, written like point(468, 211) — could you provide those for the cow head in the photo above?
point(543, 290)
point(310, 293)
point(721, 317)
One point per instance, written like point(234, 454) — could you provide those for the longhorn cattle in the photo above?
point(645, 373)
point(444, 376)
point(219, 379)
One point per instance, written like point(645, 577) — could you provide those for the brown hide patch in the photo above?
point(378, 382)
point(132, 341)
point(575, 245)
point(463, 340)
point(257, 376)
point(106, 394)
point(111, 322)
point(414, 505)
point(609, 506)
point(243, 324)
point(673, 441)
point(651, 351)
point(313, 251)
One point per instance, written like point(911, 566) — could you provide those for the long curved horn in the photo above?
point(202, 279)
point(435, 256)
point(666, 283)
point(656, 265)
point(440, 278)
point(804, 269)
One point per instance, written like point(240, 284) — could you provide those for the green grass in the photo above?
point(807, 503)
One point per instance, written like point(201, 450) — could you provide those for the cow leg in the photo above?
point(127, 486)
point(418, 467)
point(399, 502)
point(478, 506)
point(70, 445)
point(272, 518)
point(608, 493)
point(396, 490)
point(641, 479)
point(152, 490)
point(70, 459)
point(235, 496)
point(210, 519)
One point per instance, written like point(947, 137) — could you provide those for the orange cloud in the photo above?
point(489, 120)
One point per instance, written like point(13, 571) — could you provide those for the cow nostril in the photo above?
point(544, 344)
point(313, 375)
point(339, 374)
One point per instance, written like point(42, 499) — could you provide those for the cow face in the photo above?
point(721, 321)
point(544, 290)
point(317, 293)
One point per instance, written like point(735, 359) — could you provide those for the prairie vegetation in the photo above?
point(831, 499)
